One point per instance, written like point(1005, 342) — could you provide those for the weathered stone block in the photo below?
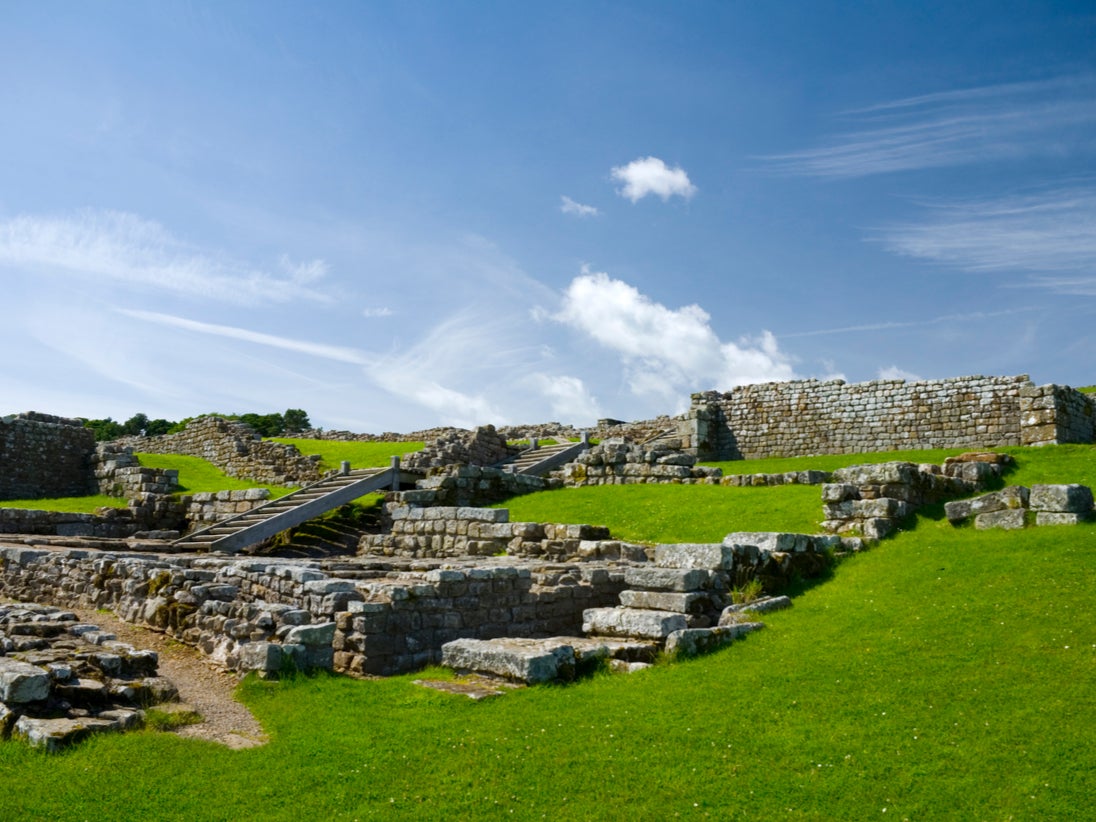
point(712, 556)
point(21, 682)
point(694, 641)
point(1007, 520)
point(690, 603)
point(1059, 518)
point(1069, 499)
point(525, 660)
point(667, 579)
point(632, 622)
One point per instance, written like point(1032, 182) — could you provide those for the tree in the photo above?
point(105, 429)
point(135, 425)
point(296, 420)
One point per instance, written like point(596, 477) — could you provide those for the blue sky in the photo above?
point(400, 215)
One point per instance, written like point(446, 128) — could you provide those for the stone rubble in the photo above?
point(62, 680)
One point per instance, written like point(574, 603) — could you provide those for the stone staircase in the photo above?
point(675, 604)
point(538, 460)
point(247, 529)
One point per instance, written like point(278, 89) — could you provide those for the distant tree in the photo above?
point(105, 429)
point(265, 425)
point(135, 425)
point(155, 428)
point(296, 420)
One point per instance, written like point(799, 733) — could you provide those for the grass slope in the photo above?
point(946, 674)
point(359, 454)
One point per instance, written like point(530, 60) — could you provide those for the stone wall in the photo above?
point(236, 449)
point(1056, 414)
point(812, 417)
point(484, 446)
point(363, 616)
point(619, 463)
point(43, 456)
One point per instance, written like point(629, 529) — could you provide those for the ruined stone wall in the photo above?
point(236, 449)
point(43, 456)
point(832, 417)
point(619, 463)
point(360, 616)
point(1056, 414)
point(484, 446)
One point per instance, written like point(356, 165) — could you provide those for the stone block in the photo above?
point(524, 660)
point(667, 579)
point(311, 636)
point(632, 622)
point(1068, 499)
point(1059, 518)
point(695, 641)
point(690, 603)
point(21, 682)
point(712, 556)
point(1011, 520)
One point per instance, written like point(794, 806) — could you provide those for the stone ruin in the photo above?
point(447, 580)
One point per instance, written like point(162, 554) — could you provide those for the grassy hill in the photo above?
point(946, 674)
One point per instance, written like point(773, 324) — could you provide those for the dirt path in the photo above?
point(205, 688)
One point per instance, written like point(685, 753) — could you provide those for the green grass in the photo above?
point(68, 505)
point(675, 513)
point(831, 462)
point(941, 676)
point(360, 454)
point(197, 475)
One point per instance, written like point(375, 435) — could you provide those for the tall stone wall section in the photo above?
point(43, 456)
point(236, 449)
point(832, 417)
point(1052, 414)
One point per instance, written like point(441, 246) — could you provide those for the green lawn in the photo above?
point(68, 505)
point(675, 513)
point(945, 674)
point(360, 454)
point(197, 474)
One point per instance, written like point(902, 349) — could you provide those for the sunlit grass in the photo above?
point(67, 505)
point(359, 454)
point(197, 474)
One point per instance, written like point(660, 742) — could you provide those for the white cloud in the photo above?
point(943, 319)
point(997, 122)
point(568, 397)
point(893, 372)
point(382, 311)
point(569, 206)
point(328, 352)
point(127, 248)
point(666, 352)
point(649, 175)
point(1050, 235)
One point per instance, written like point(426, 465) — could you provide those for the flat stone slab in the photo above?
point(1065, 499)
point(667, 579)
point(693, 602)
point(695, 641)
point(758, 606)
point(1058, 518)
point(1007, 499)
point(633, 651)
point(774, 541)
point(531, 661)
point(632, 622)
point(714, 556)
point(1005, 520)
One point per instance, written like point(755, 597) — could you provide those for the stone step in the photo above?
point(667, 579)
point(695, 641)
point(694, 602)
point(639, 623)
point(714, 556)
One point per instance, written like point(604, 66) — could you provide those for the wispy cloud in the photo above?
point(129, 249)
point(1050, 235)
point(576, 209)
point(1007, 121)
point(328, 352)
point(666, 352)
point(568, 397)
point(650, 175)
point(382, 311)
point(895, 324)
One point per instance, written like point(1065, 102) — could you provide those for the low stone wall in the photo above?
point(362, 616)
point(146, 514)
point(442, 531)
point(43, 456)
point(471, 485)
point(620, 463)
point(236, 449)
